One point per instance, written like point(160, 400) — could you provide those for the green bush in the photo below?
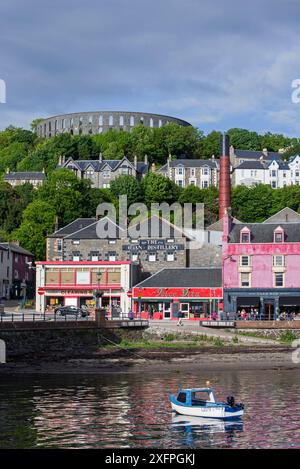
point(287, 337)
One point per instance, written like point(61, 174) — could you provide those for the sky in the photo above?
point(217, 64)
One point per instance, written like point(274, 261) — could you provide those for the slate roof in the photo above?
point(25, 176)
point(158, 227)
point(259, 165)
point(286, 215)
point(16, 248)
point(184, 278)
point(190, 163)
point(257, 154)
point(75, 225)
point(98, 166)
point(251, 165)
point(92, 230)
point(264, 233)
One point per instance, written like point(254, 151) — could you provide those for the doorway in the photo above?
point(269, 311)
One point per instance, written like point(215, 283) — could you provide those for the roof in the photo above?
point(25, 175)
point(190, 163)
point(156, 227)
point(218, 225)
point(99, 166)
point(257, 164)
point(72, 227)
point(16, 248)
point(286, 215)
point(184, 278)
point(257, 154)
point(251, 165)
point(93, 230)
point(264, 233)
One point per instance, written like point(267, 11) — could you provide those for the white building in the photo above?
point(276, 173)
point(185, 172)
point(74, 283)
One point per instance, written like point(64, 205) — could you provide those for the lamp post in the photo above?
point(99, 314)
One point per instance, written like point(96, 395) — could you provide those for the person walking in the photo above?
point(180, 316)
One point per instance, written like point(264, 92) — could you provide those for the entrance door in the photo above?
point(185, 310)
point(269, 311)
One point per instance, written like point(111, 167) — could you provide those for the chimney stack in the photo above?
point(135, 161)
point(100, 157)
point(224, 181)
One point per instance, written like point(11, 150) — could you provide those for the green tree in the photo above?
point(158, 188)
point(127, 185)
point(244, 139)
point(252, 204)
point(66, 194)
point(210, 145)
point(38, 221)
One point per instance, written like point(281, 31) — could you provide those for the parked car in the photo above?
point(73, 310)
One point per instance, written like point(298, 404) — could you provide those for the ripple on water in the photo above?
point(133, 411)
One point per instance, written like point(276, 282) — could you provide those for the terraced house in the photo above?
point(101, 172)
point(185, 172)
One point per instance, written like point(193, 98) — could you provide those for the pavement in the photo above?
point(193, 328)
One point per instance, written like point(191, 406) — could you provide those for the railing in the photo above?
point(57, 317)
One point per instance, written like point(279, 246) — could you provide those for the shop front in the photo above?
point(166, 303)
point(77, 283)
point(263, 304)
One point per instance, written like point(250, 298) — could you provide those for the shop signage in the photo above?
point(179, 292)
point(153, 245)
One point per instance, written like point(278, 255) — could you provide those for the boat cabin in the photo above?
point(196, 397)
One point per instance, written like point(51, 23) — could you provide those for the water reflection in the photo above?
point(203, 429)
point(132, 410)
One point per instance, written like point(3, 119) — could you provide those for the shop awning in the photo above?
point(247, 301)
point(289, 301)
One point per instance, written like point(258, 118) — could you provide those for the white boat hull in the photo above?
point(218, 412)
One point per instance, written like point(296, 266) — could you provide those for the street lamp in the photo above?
point(98, 293)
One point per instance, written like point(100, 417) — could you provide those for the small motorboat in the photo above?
point(201, 402)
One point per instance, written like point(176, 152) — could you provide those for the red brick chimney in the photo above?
point(224, 180)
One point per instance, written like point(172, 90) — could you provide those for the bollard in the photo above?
point(2, 351)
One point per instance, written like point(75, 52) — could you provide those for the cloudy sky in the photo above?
point(215, 63)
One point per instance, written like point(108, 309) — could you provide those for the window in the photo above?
point(193, 172)
point(245, 238)
point(245, 280)
point(134, 257)
point(83, 278)
point(151, 122)
point(205, 171)
point(131, 121)
point(245, 261)
point(204, 184)
point(180, 183)
point(273, 184)
point(278, 280)
point(273, 173)
point(125, 170)
point(111, 120)
point(16, 258)
point(278, 261)
point(106, 186)
point(112, 257)
point(100, 121)
point(278, 237)
point(112, 241)
point(152, 258)
point(181, 397)
point(284, 174)
point(76, 241)
point(121, 121)
point(159, 123)
point(179, 171)
point(106, 174)
point(59, 245)
point(76, 258)
point(95, 258)
point(297, 174)
point(170, 257)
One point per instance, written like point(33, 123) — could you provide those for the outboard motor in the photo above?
point(231, 401)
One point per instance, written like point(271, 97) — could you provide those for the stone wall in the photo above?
point(56, 344)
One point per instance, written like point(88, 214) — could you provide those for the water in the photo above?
point(132, 410)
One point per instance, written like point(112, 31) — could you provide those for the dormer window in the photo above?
point(245, 235)
point(279, 235)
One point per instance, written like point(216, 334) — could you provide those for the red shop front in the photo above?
point(165, 303)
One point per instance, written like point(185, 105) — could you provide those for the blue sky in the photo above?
point(217, 64)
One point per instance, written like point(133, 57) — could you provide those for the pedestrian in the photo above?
point(130, 314)
point(214, 316)
point(180, 316)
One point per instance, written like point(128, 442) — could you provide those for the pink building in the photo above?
point(261, 265)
